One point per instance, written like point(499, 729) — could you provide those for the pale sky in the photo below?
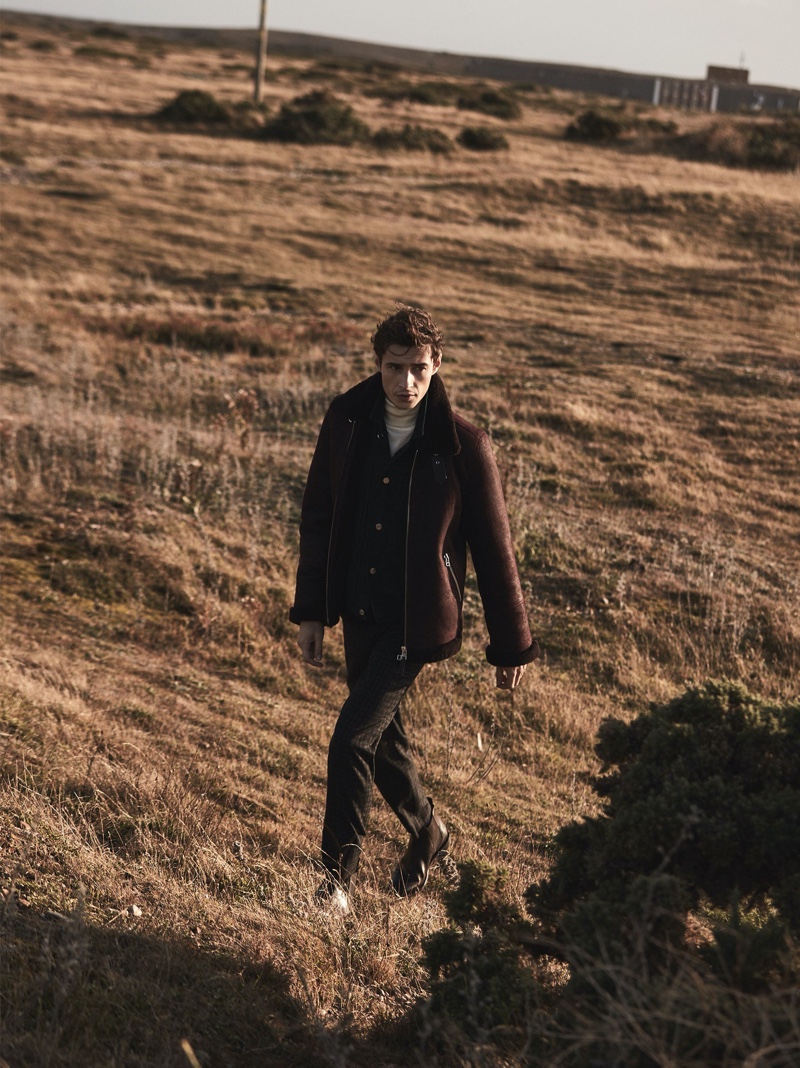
point(677, 37)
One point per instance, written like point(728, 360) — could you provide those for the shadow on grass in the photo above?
point(73, 994)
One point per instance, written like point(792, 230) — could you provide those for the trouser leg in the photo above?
point(377, 681)
point(397, 778)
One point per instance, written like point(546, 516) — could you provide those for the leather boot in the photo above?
point(411, 874)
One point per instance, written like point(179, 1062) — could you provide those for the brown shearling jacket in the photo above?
point(455, 501)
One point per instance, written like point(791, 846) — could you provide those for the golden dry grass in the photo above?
point(178, 309)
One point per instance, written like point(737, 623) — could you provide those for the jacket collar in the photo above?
point(440, 428)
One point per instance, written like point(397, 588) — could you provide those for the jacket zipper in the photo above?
point(404, 647)
point(330, 536)
point(453, 578)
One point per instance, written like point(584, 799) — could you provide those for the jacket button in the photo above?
point(361, 612)
point(379, 526)
point(372, 571)
point(386, 482)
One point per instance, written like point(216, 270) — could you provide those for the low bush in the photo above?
point(595, 125)
point(758, 144)
point(501, 105)
point(200, 109)
point(195, 107)
point(666, 932)
point(412, 139)
point(657, 126)
point(770, 145)
point(482, 986)
point(482, 139)
point(706, 790)
point(317, 118)
point(435, 94)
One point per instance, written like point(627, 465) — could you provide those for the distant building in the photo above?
point(724, 89)
point(727, 75)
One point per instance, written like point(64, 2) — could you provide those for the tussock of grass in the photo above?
point(756, 143)
point(197, 108)
point(482, 139)
point(412, 139)
point(315, 118)
point(764, 145)
point(613, 123)
point(501, 104)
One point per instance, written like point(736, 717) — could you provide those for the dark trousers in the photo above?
point(369, 744)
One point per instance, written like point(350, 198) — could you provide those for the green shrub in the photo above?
point(482, 985)
point(705, 789)
point(201, 110)
point(434, 94)
point(501, 105)
point(767, 145)
point(412, 139)
point(701, 813)
point(615, 123)
point(389, 91)
point(194, 107)
point(775, 145)
point(658, 126)
point(318, 117)
point(482, 139)
point(595, 125)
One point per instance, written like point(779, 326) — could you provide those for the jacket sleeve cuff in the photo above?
point(504, 658)
point(306, 615)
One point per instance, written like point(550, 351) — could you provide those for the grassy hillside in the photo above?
point(179, 305)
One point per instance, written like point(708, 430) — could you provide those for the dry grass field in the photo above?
point(179, 307)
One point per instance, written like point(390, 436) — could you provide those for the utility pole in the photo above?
point(261, 60)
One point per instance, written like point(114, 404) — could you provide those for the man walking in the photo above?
point(399, 486)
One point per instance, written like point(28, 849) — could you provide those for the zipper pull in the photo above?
point(447, 560)
point(403, 653)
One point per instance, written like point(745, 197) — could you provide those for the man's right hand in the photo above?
point(309, 638)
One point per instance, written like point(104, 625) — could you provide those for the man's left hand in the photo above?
point(508, 678)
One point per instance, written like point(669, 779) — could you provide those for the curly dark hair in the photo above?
point(410, 328)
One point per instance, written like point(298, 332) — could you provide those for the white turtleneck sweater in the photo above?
point(400, 423)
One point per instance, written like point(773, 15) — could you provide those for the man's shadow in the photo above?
point(77, 995)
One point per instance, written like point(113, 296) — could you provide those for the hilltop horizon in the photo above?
point(653, 40)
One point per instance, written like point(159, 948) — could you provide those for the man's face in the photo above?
point(406, 374)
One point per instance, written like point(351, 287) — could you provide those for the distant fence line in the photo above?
point(689, 93)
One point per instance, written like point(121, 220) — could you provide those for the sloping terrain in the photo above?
point(179, 306)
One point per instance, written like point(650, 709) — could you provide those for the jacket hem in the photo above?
point(435, 654)
point(499, 658)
